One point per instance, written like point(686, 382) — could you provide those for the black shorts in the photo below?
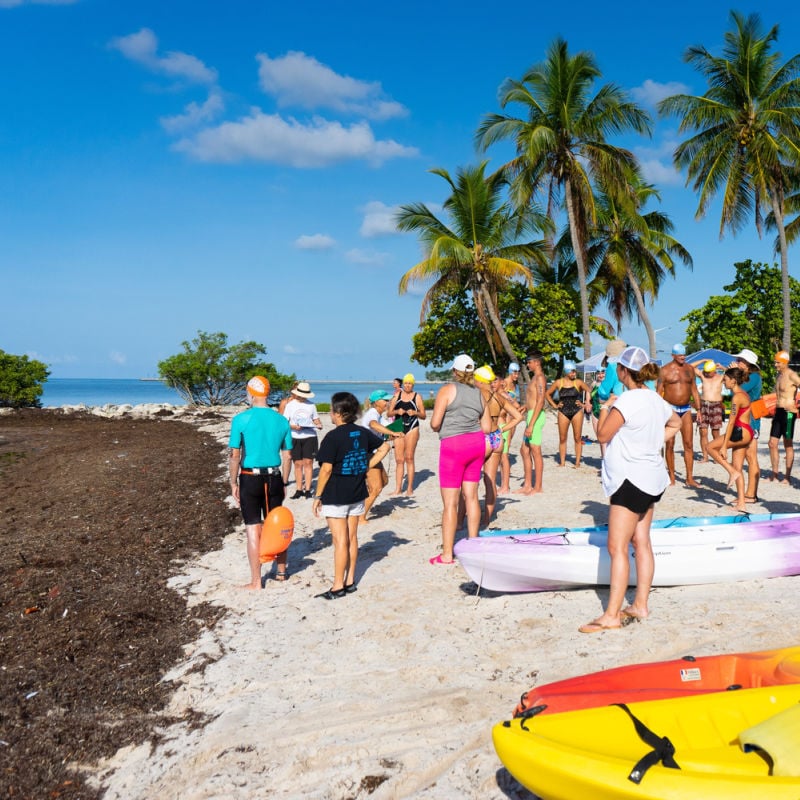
point(259, 494)
point(305, 448)
point(783, 424)
point(632, 498)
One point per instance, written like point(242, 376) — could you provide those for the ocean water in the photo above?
point(120, 391)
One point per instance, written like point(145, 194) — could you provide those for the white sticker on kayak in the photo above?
point(692, 674)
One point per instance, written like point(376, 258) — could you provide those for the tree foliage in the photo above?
point(211, 372)
point(748, 316)
point(562, 145)
point(743, 133)
point(544, 318)
point(21, 381)
point(480, 247)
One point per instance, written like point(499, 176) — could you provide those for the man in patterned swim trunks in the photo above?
point(676, 385)
point(712, 410)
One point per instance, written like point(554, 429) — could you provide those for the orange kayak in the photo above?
point(663, 679)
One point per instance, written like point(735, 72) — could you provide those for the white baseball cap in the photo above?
point(463, 363)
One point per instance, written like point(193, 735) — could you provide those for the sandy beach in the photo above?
point(392, 691)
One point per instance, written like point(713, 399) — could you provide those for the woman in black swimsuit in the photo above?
point(574, 397)
point(407, 406)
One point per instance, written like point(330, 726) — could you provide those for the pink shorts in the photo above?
point(461, 459)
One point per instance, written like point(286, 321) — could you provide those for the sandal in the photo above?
point(350, 588)
point(281, 575)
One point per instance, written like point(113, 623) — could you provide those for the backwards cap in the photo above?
point(633, 358)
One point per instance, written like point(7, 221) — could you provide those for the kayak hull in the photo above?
point(573, 559)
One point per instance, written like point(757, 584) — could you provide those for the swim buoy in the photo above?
point(276, 534)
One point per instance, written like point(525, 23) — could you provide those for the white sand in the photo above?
point(403, 680)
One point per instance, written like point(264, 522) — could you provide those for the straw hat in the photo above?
point(303, 390)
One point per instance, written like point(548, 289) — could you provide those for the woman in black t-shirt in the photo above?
point(345, 455)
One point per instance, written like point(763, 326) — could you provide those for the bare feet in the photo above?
point(395, 494)
point(251, 586)
point(524, 490)
point(693, 483)
point(635, 613)
point(786, 481)
point(773, 477)
point(734, 476)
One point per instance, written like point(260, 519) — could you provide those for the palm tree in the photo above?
point(632, 253)
point(745, 136)
point(561, 144)
point(480, 249)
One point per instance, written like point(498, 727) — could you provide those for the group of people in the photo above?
point(474, 415)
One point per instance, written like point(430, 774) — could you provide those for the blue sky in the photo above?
point(169, 167)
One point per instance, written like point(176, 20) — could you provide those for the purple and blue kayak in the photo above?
point(708, 550)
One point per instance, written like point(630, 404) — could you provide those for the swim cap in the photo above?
point(379, 394)
point(485, 374)
point(258, 386)
point(408, 378)
point(709, 366)
point(782, 356)
point(678, 349)
point(513, 367)
point(569, 366)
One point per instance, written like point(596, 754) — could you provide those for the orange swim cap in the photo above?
point(782, 356)
point(258, 386)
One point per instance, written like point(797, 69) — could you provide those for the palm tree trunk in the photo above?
point(481, 307)
point(777, 212)
point(642, 311)
point(580, 261)
point(494, 316)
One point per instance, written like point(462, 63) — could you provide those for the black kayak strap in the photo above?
point(662, 752)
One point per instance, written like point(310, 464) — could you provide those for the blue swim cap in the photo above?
point(678, 350)
point(569, 366)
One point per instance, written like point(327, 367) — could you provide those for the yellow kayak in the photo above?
point(687, 747)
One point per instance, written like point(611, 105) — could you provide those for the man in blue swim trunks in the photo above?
point(677, 386)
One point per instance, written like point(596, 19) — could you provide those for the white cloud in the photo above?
point(650, 93)
point(368, 258)
point(655, 171)
point(117, 357)
point(656, 161)
point(379, 220)
point(316, 241)
point(271, 138)
point(291, 350)
point(16, 3)
point(297, 79)
point(142, 47)
point(195, 114)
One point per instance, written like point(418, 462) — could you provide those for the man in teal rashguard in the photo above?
point(257, 437)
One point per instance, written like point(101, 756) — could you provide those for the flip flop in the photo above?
point(439, 560)
point(596, 627)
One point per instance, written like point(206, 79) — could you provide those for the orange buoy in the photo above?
point(276, 534)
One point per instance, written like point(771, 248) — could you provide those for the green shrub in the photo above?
point(21, 381)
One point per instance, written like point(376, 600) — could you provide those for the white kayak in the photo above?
point(714, 551)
